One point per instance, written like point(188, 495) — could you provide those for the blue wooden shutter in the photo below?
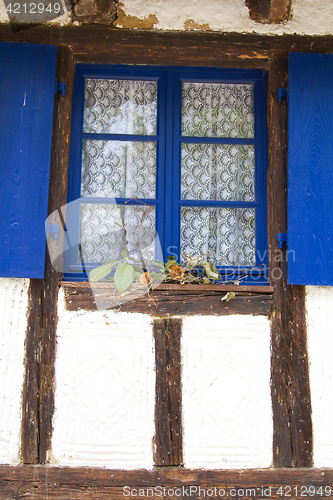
point(310, 170)
point(27, 82)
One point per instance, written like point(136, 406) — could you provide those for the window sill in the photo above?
point(174, 300)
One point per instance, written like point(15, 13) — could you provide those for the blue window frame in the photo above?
point(178, 139)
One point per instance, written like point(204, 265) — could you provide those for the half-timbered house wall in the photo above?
point(179, 378)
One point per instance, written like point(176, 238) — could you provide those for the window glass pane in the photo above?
point(118, 169)
point(217, 110)
point(217, 172)
point(101, 236)
point(120, 107)
point(226, 234)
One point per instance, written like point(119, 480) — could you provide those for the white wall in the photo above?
point(105, 390)
point(227, 410)
point(309, 16)
point(319, 305)
point(13, 323)
point(312, 17)
point(105, 385)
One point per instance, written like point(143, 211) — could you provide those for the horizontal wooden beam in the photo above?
point(64, 483)
point(168, 301)
point(105, 44)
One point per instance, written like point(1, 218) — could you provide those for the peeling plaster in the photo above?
point(312, 17)
point(191, 25)
point(133, 22)
point(308, 17)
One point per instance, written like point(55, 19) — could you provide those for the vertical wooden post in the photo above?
point(292, 438)
point(38, 392)
point(168, 435)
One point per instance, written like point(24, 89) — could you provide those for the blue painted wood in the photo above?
point(216, 203)
point(169, 140)
point(27, 84)
point(310, 170)
point(216, 140)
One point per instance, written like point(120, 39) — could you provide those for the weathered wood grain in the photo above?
point(168, 395)
point(38, 391)
point(58, 483)
point(104, 44)
point(30, 394)
point(169, 302)
point(292, 439)
point(57, 198)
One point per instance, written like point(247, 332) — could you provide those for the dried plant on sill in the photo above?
point(128, 275)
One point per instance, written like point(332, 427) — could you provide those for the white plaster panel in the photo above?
point(319, 307)
point(227, 413)
point(105, 390)
point(3, 13)
point(309, 16)
point(13, 324)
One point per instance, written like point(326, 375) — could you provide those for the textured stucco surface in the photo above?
point(319, 306)
point(227, 412)
point(13, 323)
point(312, 17)
point(105, 390)
point(308, 16)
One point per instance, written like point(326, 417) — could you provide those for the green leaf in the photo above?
point(213, 268)
point(101, 271)
point(137, 268)
point(124, 276)
point(208, 270)
point(157, 275)
point(171, 257)
point(124, 253)
point(158, 263)
point(228, 296)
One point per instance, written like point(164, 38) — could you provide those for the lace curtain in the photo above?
point(218, 172)
point(118, 168)
point(210, 172)
point(101, 236)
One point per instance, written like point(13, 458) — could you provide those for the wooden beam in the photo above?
point(38, 389)
point(292, 439)
point(57, 198)
point(104, 44)
point(30, 395)
point(168, 399)
point(68, 483)
point(168, 301)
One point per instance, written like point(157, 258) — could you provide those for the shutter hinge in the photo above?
point(281, 237)
point(60, 87)
point(51, 229)
point(282, 93)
